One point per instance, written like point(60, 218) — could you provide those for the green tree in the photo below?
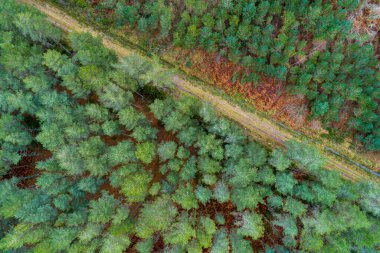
point(208, 144)
point(239, 244)
point(149, 222)
point(188, 135)
point(183, 153)
point(203, 194)
point(130, 118)
point(35, 26)
point(208, 166)
point(166, 151)
point(91, 231)
point(161, 108)
point(247, 197)
point(288, 223)
point(221, 192)
point(136, 185)
point(205, 231)
point(92, 147)
point(305, 155)
point(123, 152)
point(220, 242)
point(256, 154)
point(144, 133)
point(279, 160)
point(90, 51)
point(275, 202)
point(115, 243)
point(250, 224)
point(285, 183)
point(369, 200)
point(102, 209)
point(294, 207)
point(180, 232)
point(145, 246)
point(176, 121)
point(114, 97)
point(189, 170)
point(242, 174)
point(266, 176)
point(146, 152)
point(185, 196)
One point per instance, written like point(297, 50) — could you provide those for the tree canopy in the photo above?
point(89, 165)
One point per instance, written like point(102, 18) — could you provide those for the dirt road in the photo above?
point(261, 129)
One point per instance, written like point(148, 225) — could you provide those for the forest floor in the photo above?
point(258, 127)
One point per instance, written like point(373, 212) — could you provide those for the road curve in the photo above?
point(259, 128)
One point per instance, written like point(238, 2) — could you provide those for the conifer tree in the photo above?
point(251, 225)
point(145, 152)
point(149, 222)
point(185, 196)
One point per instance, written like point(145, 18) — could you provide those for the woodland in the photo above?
point(97, 156)
point(311, 47)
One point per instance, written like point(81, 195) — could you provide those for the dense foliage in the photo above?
point(307, 44)
point(169, 177)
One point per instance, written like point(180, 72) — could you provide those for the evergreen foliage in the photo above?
point(308, 45)
point(78, 161)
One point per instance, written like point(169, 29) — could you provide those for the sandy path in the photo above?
point(259, 128)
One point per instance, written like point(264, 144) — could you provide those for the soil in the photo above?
point(267, 95)
point(26, 168)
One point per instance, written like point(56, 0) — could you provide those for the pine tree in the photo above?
point(180, 232)
point(161, 108)
point(102, 209)
point(307, 156)
point(294, 207)
point(130, 118)
point(115, 243)
point(220, 242)
point(285, 183)
point(239, 244)
point(123, 152)
point(136, 185)
point(34, 25)
point(369, 200)
point(144, 133)
point(115, 98)
point(279, 160)
point(149, 222)
point(251, 225)
point(242, 173)
point(266, 176)
point(203, 194)
point(185, 196)
point(221, 192)
point(208, 166)
point(188, 135)
point(247, 197)
point(208, 144)
point(146, 152)
point(205, 231)
point(90, 51)
point(91, 231)
point(145, 246)
point(167, 150)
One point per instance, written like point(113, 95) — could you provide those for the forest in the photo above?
point(96, 156)
point(309, 46)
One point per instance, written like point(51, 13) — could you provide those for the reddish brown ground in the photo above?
point(268, 95)
point(26, 168)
